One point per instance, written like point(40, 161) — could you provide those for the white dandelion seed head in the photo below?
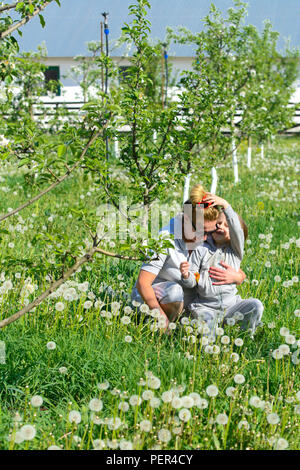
point(284, 331)
point(54, 447)
point(155, 402)
point(273, 418)
point(164, 435)
point(222, 419)
point(36, 401)
point(284, 349)
point(128, 339)
point(184, 415)
point(187, 401)
point(235, 357)
point(51, 345)
point(147, 395)
point(125, 445)
point(99, 444)
point(125, 320)
point(167, 396)
point(177, 402)
point(243, 424)
point(225, 339)
point(204, 341)
point(215, 349)
point(290, 339)
point(135, 400)
point(277, 354)
point(255, 401)
point(281, 444)
point(87, 304)
point(162, 322)
point(127, 310)
point(59, 306)
point(144, 308)
point(74, 417)
point(219, 331)
point(239, 379)
point(208, 349)
point(238, 342)
point(28, 432)
point(212, 391)
point(18, 437)
point(145, 425)
point(114, 423)
point(123, 406)
point(95, 404)
point(154, 313)
point(195, 397)
point(153, 382)
point(203, 403)
point(297, 409)
point(230, 392)
point(104, 385)
point(96, 419)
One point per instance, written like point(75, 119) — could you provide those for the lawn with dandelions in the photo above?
point(84, 370)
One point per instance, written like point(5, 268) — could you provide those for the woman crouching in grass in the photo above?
point(159, 283)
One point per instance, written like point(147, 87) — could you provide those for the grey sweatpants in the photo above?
point(247, 313)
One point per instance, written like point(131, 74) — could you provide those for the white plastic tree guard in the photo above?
point(262, 151)
point(249, 154)
point(117, 149)
point(214, 180)
point(235, 162)
point(186, 188)
point(155, 136)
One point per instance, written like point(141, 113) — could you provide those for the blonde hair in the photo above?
point(196, 195)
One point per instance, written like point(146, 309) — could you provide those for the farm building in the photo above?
point(69, 27)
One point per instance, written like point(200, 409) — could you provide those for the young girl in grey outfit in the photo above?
point(216, 302)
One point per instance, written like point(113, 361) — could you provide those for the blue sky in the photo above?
point(76, 22)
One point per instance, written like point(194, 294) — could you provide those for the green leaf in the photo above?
point(61, 150)
point(42, 21)
point(19, 6)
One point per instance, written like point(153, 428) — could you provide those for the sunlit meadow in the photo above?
point(85, 371)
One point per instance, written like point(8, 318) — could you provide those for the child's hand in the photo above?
point(184, 269)
point(216, 200)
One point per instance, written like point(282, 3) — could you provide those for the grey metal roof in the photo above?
point(76, 22)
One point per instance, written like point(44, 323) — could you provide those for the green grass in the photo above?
point(93, 348)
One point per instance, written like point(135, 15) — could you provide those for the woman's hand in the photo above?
point(216, 200)
point(227, 276)
point(184, 269)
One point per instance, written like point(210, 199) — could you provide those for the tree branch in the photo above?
point(8, 7)
point(53, 185)
point(25, 20)
point(61, 280)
